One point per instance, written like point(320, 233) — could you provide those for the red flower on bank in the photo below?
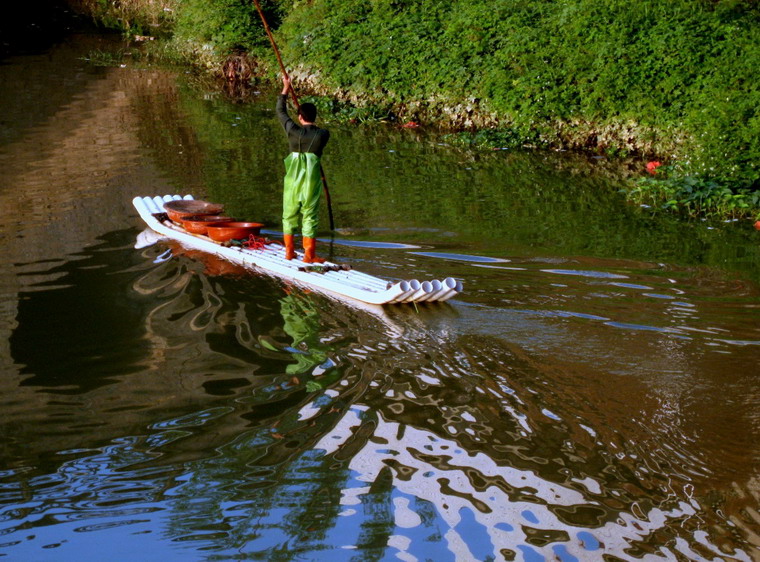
point(652, 166)
point(410, 125)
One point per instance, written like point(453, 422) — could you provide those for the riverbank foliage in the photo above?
point(694, 197)
point(141, 17)
point(675, 79)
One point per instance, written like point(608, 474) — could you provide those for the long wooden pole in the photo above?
point(297, 104)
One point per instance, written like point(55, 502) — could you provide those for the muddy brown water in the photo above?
point(592, 393)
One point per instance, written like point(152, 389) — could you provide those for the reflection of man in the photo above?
point(302, 324)
point(303, 180)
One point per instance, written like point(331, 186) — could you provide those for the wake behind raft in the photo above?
point(182, 219)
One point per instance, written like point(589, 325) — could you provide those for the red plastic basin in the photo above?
point(233, 230)
point(198, 224)
point(187, 207)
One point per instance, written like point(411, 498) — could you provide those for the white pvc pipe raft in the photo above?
point(271, 259)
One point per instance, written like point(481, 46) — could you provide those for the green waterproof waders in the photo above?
point(303, 186)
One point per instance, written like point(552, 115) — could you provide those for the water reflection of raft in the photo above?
point(329, 277)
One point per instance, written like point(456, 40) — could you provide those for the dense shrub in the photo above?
point(226, 25)
point(677, 78)
point(695, 197)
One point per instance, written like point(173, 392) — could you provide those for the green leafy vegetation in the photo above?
point(671, 79)
point(694, 196)
point(676, 79)
point(337, 110)
point(226, 25)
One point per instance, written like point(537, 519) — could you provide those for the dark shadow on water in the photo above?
point(78, 329)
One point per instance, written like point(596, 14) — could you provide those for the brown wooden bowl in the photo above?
point(198, 224)
point(188, 207)
point(233, 230)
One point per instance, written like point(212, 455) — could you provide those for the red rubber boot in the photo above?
point(290, 250)
point(310, 251)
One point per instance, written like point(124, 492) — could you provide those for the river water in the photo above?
point(592, 394)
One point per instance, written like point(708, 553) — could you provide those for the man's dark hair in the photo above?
point(308, 112)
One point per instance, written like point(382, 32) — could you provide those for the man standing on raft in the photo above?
point(302, 175)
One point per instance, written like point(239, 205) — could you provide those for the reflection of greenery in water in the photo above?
point(416, 444)
point(559, 395)
point(302, 324)
point(499, 203)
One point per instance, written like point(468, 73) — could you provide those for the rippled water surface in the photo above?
point(592, 394)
